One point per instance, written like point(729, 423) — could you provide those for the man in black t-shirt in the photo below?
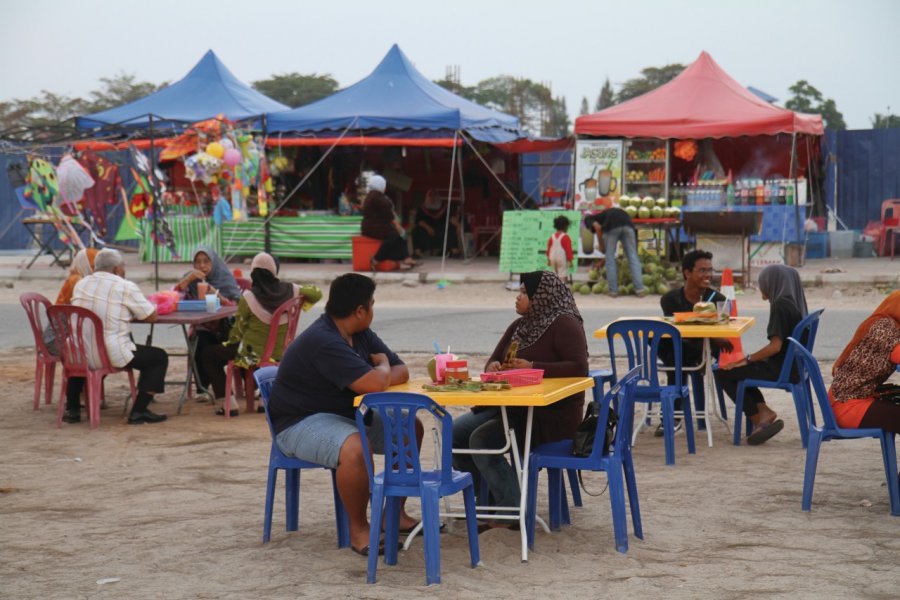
point(697, 269)
point(311, 404)
point(612, 226)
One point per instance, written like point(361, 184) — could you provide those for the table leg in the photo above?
point(712, 397)
point(193, 373)
point(523, 486)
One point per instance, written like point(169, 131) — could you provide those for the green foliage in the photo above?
point(120, 89)
point(807, 99)
point(606, 98)
point(585, 107)
point(533, 103)
point(651, 78)
point(880, 121)
point(295, 89)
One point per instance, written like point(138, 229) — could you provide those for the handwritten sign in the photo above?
point(523, 245)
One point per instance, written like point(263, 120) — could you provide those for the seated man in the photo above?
point(118, 302)
point(311, 404)
point(697, 269)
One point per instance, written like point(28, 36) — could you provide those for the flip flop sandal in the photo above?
point(764, 431)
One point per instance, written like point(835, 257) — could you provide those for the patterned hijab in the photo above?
point(889, 307)
point(780, 281)
point(548, 298)
point(219, 277)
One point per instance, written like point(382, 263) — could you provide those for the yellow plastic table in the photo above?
point(733, 328)
point(547, 392)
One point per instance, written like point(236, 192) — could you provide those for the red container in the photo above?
point(515, 377)
point(364, 248)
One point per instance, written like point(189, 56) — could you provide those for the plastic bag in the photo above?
point(166, 301)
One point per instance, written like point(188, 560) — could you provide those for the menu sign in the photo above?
point(523, 245)
point(598, 173)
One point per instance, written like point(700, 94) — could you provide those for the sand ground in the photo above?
point(175, 511)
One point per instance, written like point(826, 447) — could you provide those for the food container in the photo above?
point(515, 377)
point(457, 369)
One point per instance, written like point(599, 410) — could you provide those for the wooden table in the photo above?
point(734, 328)
point(544, 394)
point(188, 318)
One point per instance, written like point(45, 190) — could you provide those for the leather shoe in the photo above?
point(72, 416)
point(145, 416)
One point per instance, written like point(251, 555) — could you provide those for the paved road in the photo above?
point(470, 331)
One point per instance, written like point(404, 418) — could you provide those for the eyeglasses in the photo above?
point(705, 271)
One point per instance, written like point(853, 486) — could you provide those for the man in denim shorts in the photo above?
point(311, 403)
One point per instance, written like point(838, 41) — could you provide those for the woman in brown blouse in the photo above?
point(380, 222)
point(550, 335)
point(866, 363)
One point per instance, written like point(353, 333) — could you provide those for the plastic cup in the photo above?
point(202, 289)
point(722, 308)
point(440, 365)
point(212, 303)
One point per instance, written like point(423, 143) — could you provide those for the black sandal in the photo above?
point(232, 413)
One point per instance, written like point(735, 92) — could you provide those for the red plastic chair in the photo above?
point(289, 311)
point(78, 330)
point(45, 363)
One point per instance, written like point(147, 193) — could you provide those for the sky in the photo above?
point(849, 51)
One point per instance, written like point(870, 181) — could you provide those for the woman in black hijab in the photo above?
point(548, 335)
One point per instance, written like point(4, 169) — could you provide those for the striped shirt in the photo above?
point(117, 302)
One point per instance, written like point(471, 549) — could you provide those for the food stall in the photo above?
point(704, 143)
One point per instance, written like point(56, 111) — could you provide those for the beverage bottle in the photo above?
point(760, 192)
point(789, 196)
point(729, 195)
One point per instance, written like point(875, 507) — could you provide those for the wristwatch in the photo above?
point(749, 358)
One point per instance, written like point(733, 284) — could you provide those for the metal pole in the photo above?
point(151, 177)
point(449, 200)
point(793, 175)
point(462, 208)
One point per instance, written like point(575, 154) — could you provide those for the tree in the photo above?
point(606, 98)
point(533, 103)
point(651, 78)
point(807, 99)
point(585, 108)
point(121, 89)
point(886, 121)
point(295, 89)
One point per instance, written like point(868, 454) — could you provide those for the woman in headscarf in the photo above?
point(252, 324)
point(858, 397)
point(428, 232)
point(548, 335)
point(380, 222)
point(210, 269)
point(82, 266)
point(781, 286)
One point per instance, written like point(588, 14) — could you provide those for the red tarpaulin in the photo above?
point(274, 142)
point(702, 102)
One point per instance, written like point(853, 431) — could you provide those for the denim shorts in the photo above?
point(318, 438)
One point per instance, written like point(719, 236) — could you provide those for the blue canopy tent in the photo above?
point(208, 90)
point(394, 100)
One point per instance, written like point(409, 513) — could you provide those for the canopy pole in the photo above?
point(793, 175)
point(462, 208)
point(155, 237)
point(449, 204)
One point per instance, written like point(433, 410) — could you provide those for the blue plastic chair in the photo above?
point(641, 338)
point(556, 456)
point(831, 431)
point(799, 389)
point(403, 476)
point(292, 467)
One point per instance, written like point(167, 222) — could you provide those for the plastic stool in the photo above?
point(364, 248)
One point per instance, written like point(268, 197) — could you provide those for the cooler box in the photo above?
point(817, 244)
point(842, 243)
point(364, 248)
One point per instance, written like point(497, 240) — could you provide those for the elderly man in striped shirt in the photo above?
point(118, 302)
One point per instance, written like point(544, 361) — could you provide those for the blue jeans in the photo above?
point(611, 239)
point(484, 430)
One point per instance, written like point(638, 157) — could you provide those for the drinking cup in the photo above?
point(212, 303)
point(202, 289)
point(440, 365)
point(721, 308)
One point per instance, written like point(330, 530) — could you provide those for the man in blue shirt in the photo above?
point(335, 359)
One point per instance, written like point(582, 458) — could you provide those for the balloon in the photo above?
point(232, 157)
point(215, 149)
point(226, 143)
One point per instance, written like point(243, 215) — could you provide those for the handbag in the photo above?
point(584, 439)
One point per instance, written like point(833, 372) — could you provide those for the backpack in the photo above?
point(556, 255)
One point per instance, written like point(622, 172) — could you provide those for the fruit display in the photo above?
point(656, 277)
point(659, 154)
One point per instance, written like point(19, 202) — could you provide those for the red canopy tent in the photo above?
point(702, 102)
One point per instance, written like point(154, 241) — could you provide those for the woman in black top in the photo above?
point(781, 286)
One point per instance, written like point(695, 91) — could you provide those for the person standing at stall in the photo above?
point(612, 226)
